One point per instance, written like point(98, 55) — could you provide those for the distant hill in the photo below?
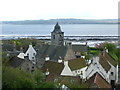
point(65, 21)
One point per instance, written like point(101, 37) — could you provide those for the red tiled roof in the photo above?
point(96, 81)
point(101, 83)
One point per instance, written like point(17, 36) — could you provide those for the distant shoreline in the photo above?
point(64, 21)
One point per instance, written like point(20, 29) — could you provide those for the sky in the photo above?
point(12, 10)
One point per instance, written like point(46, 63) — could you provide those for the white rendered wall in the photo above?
point(93, 68)
point(66, 71)
point(78, 72)
point(31, 53)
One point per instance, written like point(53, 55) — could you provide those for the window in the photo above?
point(34, 54)
point(112, 73)
point(95, 63)
point(53, 36)
point(27, 54)
point(81, 73)
point(32, 57)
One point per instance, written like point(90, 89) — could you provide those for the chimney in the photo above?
point(83, 57)
point(47, 58)
point(65, 62)
point(21, 49)
point(30, 46)
point(60, 60)
point(106, 50)
point(47, 72)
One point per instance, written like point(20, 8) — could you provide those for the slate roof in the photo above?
point(79, 48)
point(52, 51)
point(76, 64)
point(16, 62)
point(54, 68)
point(97, 81)
point(57, 29)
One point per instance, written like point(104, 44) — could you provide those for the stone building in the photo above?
point(57, 36)
point(58, 50)
point(22, 64)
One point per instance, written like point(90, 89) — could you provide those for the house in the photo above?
point(97, 81)
point(53, 70)
point(22, 64)
point(74, 67)
point(106, 66)
point(31, 53)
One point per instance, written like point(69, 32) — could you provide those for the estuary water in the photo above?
point(68, 29)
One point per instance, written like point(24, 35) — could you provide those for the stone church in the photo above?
point(58, 50)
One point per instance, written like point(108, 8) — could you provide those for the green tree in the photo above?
point(39, 77)
point(15, 78)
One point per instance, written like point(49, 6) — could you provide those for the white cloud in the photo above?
point(47, 9)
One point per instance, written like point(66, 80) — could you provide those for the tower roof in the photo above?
point(57, 28)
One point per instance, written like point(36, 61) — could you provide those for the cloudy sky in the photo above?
point(55, 9)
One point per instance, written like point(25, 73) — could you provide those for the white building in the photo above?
point(31, 53)
point(106, 66)
point(74, 67)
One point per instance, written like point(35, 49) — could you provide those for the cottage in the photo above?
point(106, 66)
point(74, 67)
point(31, 53)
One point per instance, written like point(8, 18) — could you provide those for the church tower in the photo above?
point(57, 36)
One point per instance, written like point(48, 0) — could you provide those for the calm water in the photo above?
point(69, 29)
